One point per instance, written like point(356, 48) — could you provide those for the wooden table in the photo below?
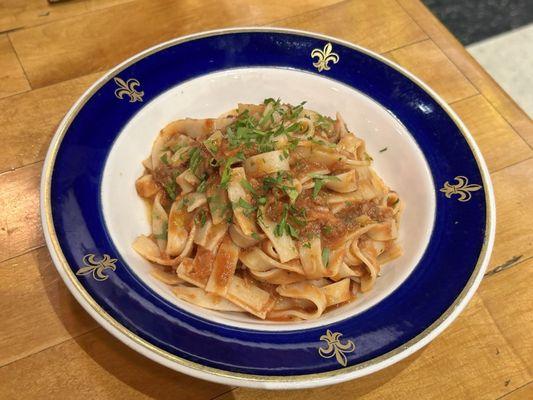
point(50, 348)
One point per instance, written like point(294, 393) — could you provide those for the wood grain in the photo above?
point(523, 393)
point(12, 78)
point(37, 309)
point(50, 348)
point(435, 70)
point(513, 187)
point(380, 25)
point(96, 365)
point(457, 54)
point(16, 14)
point(512, 286)
point(439, 371)
point(30, 120)
point(20, 225)
point(500, 145)
point(77, 46)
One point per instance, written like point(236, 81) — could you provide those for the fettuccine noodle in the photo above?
point(271, 209)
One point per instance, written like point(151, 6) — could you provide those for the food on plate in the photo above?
point(270, 209)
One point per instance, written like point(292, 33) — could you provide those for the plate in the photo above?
point(91, 212)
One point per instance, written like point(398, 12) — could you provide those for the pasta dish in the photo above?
point(270, 209)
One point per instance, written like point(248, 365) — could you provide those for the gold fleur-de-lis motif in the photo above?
point(325, 56)
point(462, 189)
point(128, 88)
point(335, 348)
point(97, 268)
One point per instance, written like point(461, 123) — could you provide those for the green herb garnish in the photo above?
point(201, 217)
point(226, 171)
point(202, 187)
point(320, 181)
point(164, 158)
point(170, 188)
point(284, 226)
point(244, 204)
point(248, 186)
point(195, 158)
point(325, 256)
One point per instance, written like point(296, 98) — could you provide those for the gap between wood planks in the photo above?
point(21, 66)
point(512, 262)
point(500, 92)
point(512, 391)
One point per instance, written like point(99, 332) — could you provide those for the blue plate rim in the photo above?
point(228, 377)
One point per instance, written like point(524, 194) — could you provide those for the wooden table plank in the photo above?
point(435, 70)
point(16, 14)
point(523, 393)
point(439, 371)
point(37, 309)
point(77, 46)
point(20, 225)
point(380, 25)
point(514, 190)
point(12, 78)
point(30, 120)
point(512, 286)
point(470, 68)
point(49, 347)
point(98, 366)
point(500, 145)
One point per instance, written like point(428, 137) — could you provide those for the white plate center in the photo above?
point(402, 166)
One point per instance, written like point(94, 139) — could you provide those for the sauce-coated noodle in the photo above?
point(271, 209)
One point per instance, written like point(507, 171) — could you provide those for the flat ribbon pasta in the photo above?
point(271, 209)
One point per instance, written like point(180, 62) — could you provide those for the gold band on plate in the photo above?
point(239, 378)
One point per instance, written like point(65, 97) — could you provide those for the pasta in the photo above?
point(271, 209)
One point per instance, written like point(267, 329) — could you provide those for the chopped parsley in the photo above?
point(296, 111)
point(284, 226)
point(320, 181)
point(247, 207)
point(324, 122)
point(176, 147)
point(383, 149)
point(307, 245)
point(291, 192)
point(325, 256)
point(202, 187)
point(321, 142)
point(226, 171)
point(327, 229)
point(248, 186)
point(200, 218)
point(163, 235)
point(171, 188)
point(211, 145)
point(195, 159)
point(164, 158)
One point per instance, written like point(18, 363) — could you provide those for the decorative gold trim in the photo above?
point(128, 88)
point(324, 57)
point(117, 329)
point(97, 268)
point(335, 348)
point(462, 188)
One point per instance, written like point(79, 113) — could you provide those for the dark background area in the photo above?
point(474, 20)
